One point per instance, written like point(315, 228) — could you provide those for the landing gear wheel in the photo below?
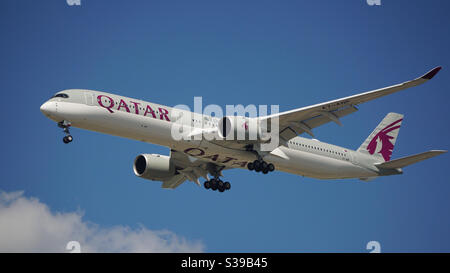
point(257, 166)
point(227, 186)
point(263, 165)
point(67, 139)
point(207, 185)
point(220, 186)
point(271, 167)
point(213, 184)
point(265, 171)
point(251, 166)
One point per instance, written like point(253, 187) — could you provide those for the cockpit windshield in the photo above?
point(61, 95)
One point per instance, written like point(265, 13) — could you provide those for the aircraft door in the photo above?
point(89, 97)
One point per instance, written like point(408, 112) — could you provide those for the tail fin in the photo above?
point(381, 141)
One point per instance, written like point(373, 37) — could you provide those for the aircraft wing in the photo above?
point(173, 182)
point(189, 168)
point(303, 120)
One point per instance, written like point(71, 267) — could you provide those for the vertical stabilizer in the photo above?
point(381, 141)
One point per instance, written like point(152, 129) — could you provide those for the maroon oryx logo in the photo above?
point(381, 142)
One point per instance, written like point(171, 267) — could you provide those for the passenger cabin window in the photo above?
point(61, 95)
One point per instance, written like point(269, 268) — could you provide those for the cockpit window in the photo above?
point(61, 95)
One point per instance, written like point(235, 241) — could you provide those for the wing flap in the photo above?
point(297, 128)
point(188, 169)
point(174, 182)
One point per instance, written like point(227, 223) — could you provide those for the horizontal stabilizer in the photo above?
point(408, 160)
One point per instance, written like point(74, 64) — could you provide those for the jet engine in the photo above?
point(242, 128)
point(153, 167)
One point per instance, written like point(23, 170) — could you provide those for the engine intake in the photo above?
point(153, 166)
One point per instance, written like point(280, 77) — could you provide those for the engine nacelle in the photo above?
point(153, 166)
point(242, 128)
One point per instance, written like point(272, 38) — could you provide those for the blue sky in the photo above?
point(291, 53)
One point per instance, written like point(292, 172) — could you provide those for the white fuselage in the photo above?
point(149, 122)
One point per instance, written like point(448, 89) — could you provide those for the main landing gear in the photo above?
point(65, 125)
point(260, 165)
point(217, 184)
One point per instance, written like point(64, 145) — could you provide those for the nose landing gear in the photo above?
point(65, 125)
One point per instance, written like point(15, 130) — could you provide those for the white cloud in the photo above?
point(28, 225)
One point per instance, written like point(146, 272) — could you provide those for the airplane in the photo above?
point(194, 158)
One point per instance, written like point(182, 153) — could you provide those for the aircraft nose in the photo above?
point(48, 108)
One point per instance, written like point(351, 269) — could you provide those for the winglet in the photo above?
point(432, 73)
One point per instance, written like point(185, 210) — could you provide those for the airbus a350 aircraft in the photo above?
point(192, 159)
